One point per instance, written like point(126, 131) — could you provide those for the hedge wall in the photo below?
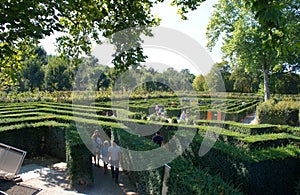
point(263, 172)
point(184, 177)
point(283, 112)
point(37, 141)
point(54, 139)
point(78, 159)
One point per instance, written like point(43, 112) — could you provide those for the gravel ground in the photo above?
point(38, 178)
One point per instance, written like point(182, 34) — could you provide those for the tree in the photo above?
point(244, 81)
point(59, 75)
point(199, 83)
point(23, 23)
point(32, 74)
point(285, 83)
point(214, 78)
point(252, 38)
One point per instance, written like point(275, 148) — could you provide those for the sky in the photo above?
point(194, 27)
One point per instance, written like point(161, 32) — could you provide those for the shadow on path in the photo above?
point(104, 184)
point(51, 180)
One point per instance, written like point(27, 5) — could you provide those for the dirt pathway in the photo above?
point(52, 180)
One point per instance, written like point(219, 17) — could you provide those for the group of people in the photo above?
point(108, 154)
point(112, 154)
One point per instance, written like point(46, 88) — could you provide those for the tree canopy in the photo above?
point(259, 37)
point(23, 23)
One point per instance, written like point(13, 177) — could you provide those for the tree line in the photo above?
point(54, 73)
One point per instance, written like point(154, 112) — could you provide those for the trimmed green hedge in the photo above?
point(55, 139)
point(188, 179)
point(269, 171)
point(79, 158)
point(283, 112)
point(184, 178)
point(38, 139)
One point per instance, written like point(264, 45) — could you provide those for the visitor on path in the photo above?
point(97, 143)
point(104, 153)
point(156, 109)
point(158, 139)
point(182, 117)
point(160, 110)
point(114, 157)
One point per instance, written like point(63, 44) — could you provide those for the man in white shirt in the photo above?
point(114, 157)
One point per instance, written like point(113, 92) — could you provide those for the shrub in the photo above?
point(174, 120)
point(283, 112)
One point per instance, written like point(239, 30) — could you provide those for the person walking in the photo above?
point(114, 157)
point(183, 117)
point(158, 139)
point(104, 153)
point(97, 143)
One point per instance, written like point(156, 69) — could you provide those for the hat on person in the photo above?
point(106, 142)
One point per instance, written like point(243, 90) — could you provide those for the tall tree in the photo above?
point(214, 79)
point(252, 38)
point(59, 75)
point(199, 83)
point(32, 73)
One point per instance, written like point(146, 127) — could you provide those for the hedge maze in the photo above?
point(246, 159)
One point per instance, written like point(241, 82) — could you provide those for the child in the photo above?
point(104, 152)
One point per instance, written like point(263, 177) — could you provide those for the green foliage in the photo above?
point(173, 112)
point(187, 179)
point(243, 152)
point(79, 159)
point(252, 169)
point(174, 120)
point(285, 83)
point(251, 43)
point(59, 74)
point(24, 23)
point(282, 112)
point(245, 81)
point(199, 83)
point(215, 79)
point(32, 74)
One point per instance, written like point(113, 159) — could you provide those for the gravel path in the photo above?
point(250, 119)
point(52, 180)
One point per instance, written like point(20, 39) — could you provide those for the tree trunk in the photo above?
point(266, 84)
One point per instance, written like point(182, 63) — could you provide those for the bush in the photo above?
point(283, 112)
point(174, 120)
point(173, 112)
